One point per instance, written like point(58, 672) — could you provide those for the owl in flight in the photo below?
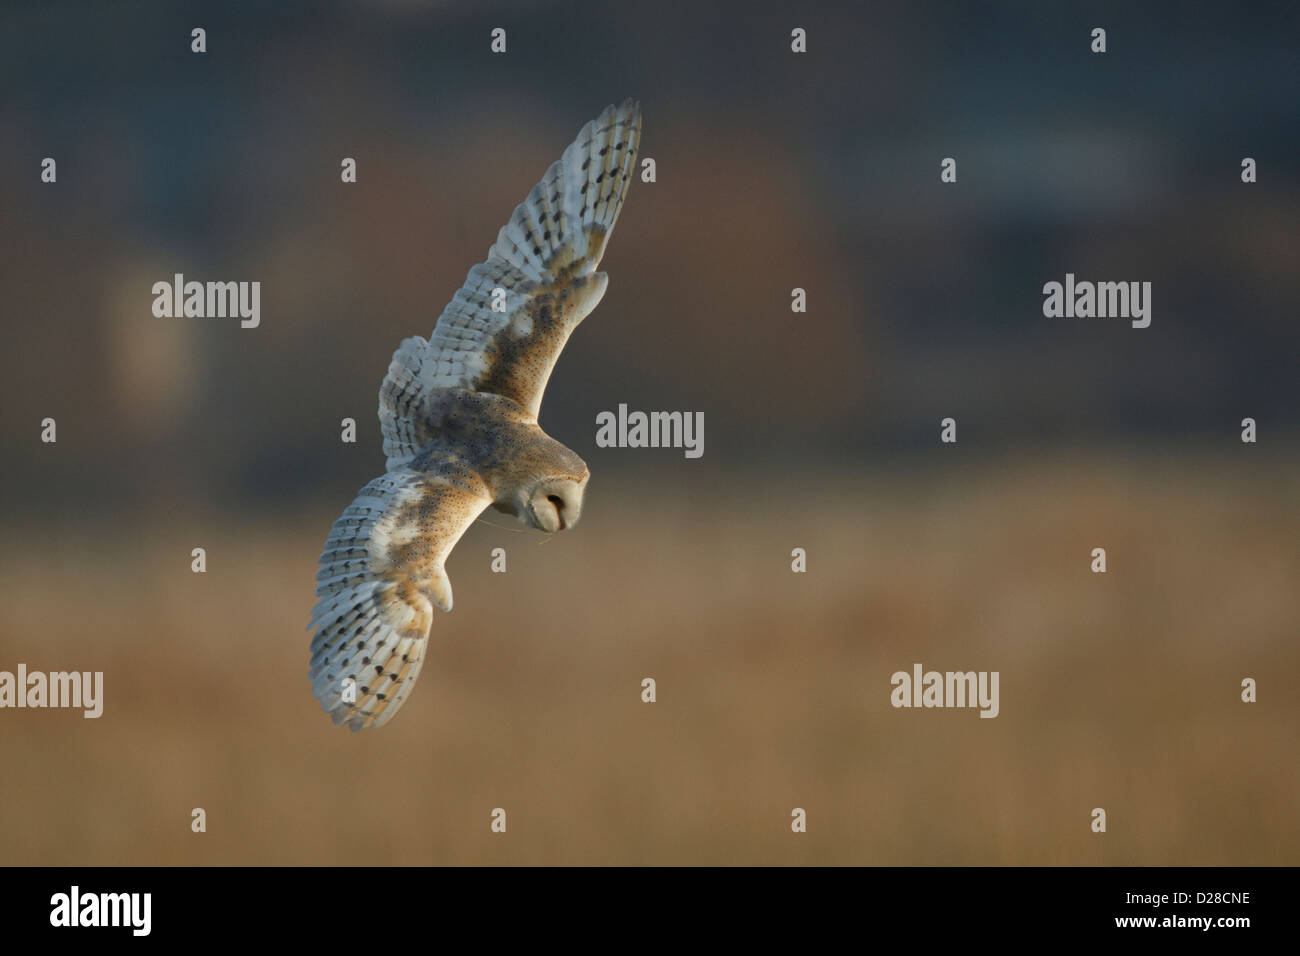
point(459, 420)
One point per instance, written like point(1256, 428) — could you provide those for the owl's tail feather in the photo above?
point(403, 399)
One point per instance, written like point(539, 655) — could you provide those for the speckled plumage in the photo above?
point(458, 415)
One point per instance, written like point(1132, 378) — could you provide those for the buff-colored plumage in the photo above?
point(459, 421)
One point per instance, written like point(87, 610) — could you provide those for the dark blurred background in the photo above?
point(775, 170)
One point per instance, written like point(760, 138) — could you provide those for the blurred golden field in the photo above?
point(1118, 690)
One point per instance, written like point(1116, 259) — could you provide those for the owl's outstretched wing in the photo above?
point(540, 275)
point(381, 574)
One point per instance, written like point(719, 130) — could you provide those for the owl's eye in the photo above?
point(555, 500)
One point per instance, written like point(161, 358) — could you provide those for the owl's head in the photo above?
point(554, 504)
point(547, 492)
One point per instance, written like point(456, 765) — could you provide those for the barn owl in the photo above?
point(458, 415)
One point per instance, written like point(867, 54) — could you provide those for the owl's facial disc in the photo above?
point(555, 504)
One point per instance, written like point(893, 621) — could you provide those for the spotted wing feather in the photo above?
point(544, 265)
point(381, 575)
